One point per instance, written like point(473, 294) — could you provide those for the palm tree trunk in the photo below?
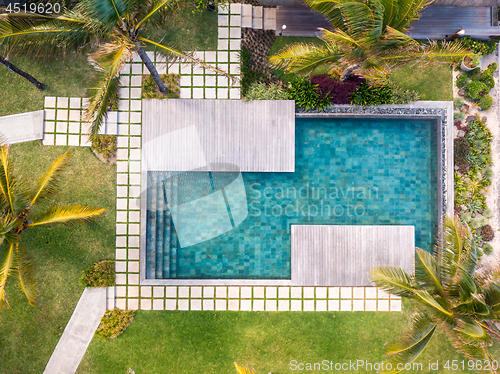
point(152, 70)
point(23, 74)
point(348, 71)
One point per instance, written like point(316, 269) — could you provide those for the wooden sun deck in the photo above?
point(435, 23)
point(343, 255)
point(182, 135)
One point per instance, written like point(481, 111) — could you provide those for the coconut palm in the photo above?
point(17, 202)
point(453, 294)
point(367, 38)
point(243, 369)
point(111, 29)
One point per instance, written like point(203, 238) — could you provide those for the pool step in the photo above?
point(151, 228)
point(160, 228)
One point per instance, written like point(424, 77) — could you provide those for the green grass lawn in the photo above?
point(281, 42)
point(433, 83)
point(60, 254)
point(69, 76)
point(209, 342)
point(187, 30)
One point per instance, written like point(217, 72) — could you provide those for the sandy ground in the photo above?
point(493, 116)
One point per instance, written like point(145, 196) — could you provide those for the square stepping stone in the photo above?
point(395, 305)
point(135, 166)
point(321, 292)
point(271, 305)
point(345, 292)
point(170, 292)
point(308, 292)
point(124, 93)
point(196, 292)
point(134, 242)
point(134, 229)
point(308, 306)
point(186, 69)
point(246, 305)
point(75, 102)
point(133, 279)
point(208, 292)
point(133, 267)
point(62, 115)
point(358, 292)
point(246, 292)
point(197, 80)
point(222, 45)
point(235, 44)
point(283, 292)
point(49, 127)
point(246, 10)
point(345, 305)
point(235, 20)
point(233, 292)
point(185, 80)
point(125, 80)
point(133, 291)
point(159, 292)
point(121, 217)
point(121, 304)
point(220, 292)
point(182, 304)
point(74, 115)
point(258, 305)
point(383, 305)
point(358, 305)
point(112, 128)
point(62, 102)
point(234, 93)
point(234, 69)
point(160, 58)
point(121, 179)
point(220, 304)
point(258, 23)
point(135, 130)
point(198, 70)
point(296, 292)
point(50, 114)
point(333, 305)
point(135, 142)
point(210, 93)
point(62, 127)
point(210, 56)
point(222, 93)
point(208, 304)
point(198, 93)
point(50, 102)
point(161, 68)
point(185, 93)
point(158, 304)
point(151, 55)
point(235, 8)
point(137, 69)
point(135, 117)
point(135, 105)
point(283, 305)
point(223, 20)
point(321, 306)
point(233, 305)
point(371, 292)
point(210, 80)
point(136, 57)
point(125, 69)
point(123, 117)
point(74, 140)
point(234, 57)
point(133, 304)
point(121, 291)
point(296, 305)
point(381, 294)
point(171, 304)
point(235, 32)
point(223, 33)
point(134, 217)
point(120, 278)
point(135, 93)
point(136, 81)
point(121, 241)
point(258, 292)
point(333, 292)
point(196, 304)
point(258, 11)
point(271, 292)
point(123, 105)
point(121, 204)
point(223, 9)
point(370, 305)
point(222, 81)
point(174, 68)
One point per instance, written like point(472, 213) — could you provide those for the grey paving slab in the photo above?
point(22, 127)
point(78, 332)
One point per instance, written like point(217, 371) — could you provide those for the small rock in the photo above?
point(456, 168)
point(460, 133)
point(461, 92)
point(470, 119)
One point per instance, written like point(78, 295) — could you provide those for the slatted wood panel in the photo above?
point(326, 255)
point(181, 135)
point(299, 21)
point(438, 21)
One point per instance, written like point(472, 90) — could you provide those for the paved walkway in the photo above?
point(23, 127)
point(78, 332)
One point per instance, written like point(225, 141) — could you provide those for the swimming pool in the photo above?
point(347, 171)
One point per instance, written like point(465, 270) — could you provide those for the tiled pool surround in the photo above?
point(198, 254)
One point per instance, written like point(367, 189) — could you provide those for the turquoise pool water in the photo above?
point(347, 171)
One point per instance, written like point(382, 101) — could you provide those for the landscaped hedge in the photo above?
point(367, 95)
point(114, 323)
point(477, 85)
point(101, 274)
point(306, 95)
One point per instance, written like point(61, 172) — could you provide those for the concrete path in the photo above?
point(22, 127)
point(78, 332)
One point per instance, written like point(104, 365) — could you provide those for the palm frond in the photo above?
point(7, 226)
point(66, 214)
point(111, 57)
point(393, 280)
point(436, 304)
point(243, 370)
point(408, 347)
point(303, 58)
point(426, 271)
point(7, 269)
point(97, 109)
point(400, 14)
point(107, 12)
point(25, 276)
point(156, 7)
point(188, 57)
point(49, 181)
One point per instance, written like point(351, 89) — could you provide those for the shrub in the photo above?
point(478, 221)
point(261, 91)
point(114, 322)
point(491, 69)
point(458, 116)
point(338, 92)
point(105, 145)
point(403, 96)
point(248, 75)
point(101, 274)
point(461, 150)
point(487, 233)
point(478, 47)
point(306, 95)
point(475, 90)
point(488, 80)
point(474, 206)
point(459, 103)
point(463, 80)
point(488, 213)
point(487, 249)
point(367, 95)
point(150, 89)
point(485, 102)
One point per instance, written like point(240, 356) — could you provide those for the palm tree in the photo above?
point(17, 199)
point(111, 29)
point(453, 293)
point(368, 38)
point(243, 369)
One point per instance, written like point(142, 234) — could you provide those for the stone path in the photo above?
point(78, 332)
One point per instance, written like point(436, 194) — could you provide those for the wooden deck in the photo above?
point(182, 135)
point(342, 255)
point(436, 22)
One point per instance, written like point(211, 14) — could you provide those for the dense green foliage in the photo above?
point(261, 91)
point(306, 95)
point(114, 322)
point(101, 274)
point(151, 91)
point(461, 150)
point(367, 95)
point(479, 47)
point(248, 75)
point(477, 85)
point(105, 145)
